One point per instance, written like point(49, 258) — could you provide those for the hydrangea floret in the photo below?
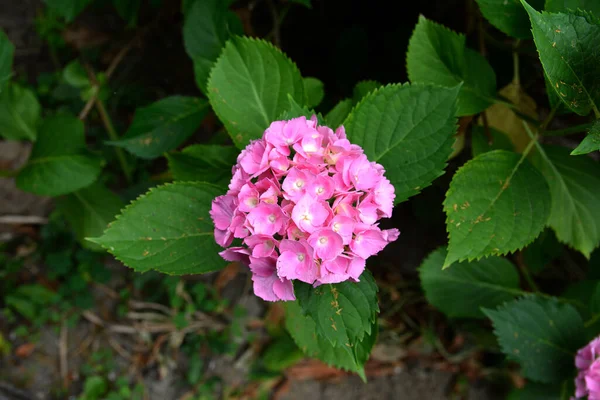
point(587, 361)
point(305, 203)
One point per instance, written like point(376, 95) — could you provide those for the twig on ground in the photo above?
point(23, 220)
point(63, 350)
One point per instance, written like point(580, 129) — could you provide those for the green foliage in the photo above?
point(539, 391)
point(575, 191)
point(591, 141)
point(248, 87)
point(208, 25)
point(497, 203)
point(567, 45)
point(396, 126)
point(343, 312)
point(19, 113)
point(363, 88)
point(60, 162)
point(541, 334)
point(128, 10)
point(303, 330)
point(508, 16)
point(67, 9)
point(7, 51)
point(314, 90)
point(480, 142)
point(336, 116)
point(89, 211)
point(168, 229)
point(572, 5)
point(203, 162)
point(461, 290)
point(282, 353)
point(438, 55)
point(163, 126)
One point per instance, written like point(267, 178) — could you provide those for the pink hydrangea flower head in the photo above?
point(305, 205)
point(587, 361)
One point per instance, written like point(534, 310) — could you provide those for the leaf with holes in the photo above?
point(409, 130)
point(7, 52)
point(89, 211)
point(575, 192)
point(249, 85)
point(509, 16)
point(168, 229)
point(462, 289)
point(207, 27)
point(541, 334)
point(203, 162)
point(60, 162)
point(591, 141)
point(438, 55)
point(568, 45)
point(343, 312)
point(497, 203)
point(303, 330)
point(19, 113)
point(163, 126)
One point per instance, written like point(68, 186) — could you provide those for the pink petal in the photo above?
point(326, 243)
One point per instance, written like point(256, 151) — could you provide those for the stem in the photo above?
point(548, 119)
point(515, 55)
point(114, 137)
point(596, 112)
point(526, 274)
point(567, 131)
point(591, 321)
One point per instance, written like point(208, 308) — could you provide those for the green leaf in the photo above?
point(591, 141)
point(409, 130)
point(68, 9)
point(282, 353)
point(541, 334)
point(7, 52)
point(438, 55)
point(540, 391)
point(208, 25)
point(509, 16)
point(343, 312)
point(168, 229)
point(19, 113)
point(60, 162)
point(303, 330)
point(497, 203)
point(480, 142)
point(248, 87)
point(571, 5)
point(163, 126)
point(305, 3)
point(295, 110)
point(542, 252)
point(128, 10)
point(567, 45)
point(75, 75)
point(314, 91)
point(94, 387)
point(595, 301)
point(203, 162)
point(462, 289)
point(89, 211)
point(336, 116)
point(575, 191)
point(363, 88)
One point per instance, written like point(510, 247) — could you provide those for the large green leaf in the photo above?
point(60, 162)
point(205, 30)
point(89, 211)
point(509, 16)
point(19, 113)
point(202, 162)
point(248, 87)
point(541, 334)
point(481, 143)
point(304, 332)
point(68, 9)
point(409, 130)
point(591, 141)
point(168, 229)
point(572, 5)
point(343, 312)
point(163, 126)
point(497, 203)
point(315, 91)
point(575, 190)
point(438, 55)
point(7, 51)
point(568, 45)
point(461, 290)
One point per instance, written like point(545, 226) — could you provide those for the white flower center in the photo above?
point(299, 183)
point(252, 202)
point(320, 190)
point(300, 257)
point(322, 240)
point(272, 218)
point(336, 227)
